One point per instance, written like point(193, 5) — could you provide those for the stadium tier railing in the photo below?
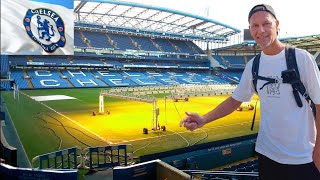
point(107, 156)
point(64, 159)
point(89, 158)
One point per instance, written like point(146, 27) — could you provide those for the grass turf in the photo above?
point(41, 129)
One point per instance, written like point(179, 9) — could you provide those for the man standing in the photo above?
point(288, 143)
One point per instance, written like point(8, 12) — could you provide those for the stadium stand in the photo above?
point(4, 65)
point(47, 79)
point(122, 42)
point(54, 78)
point(235, 75)
point(149, 45)
point(164, 45)
point(5, 85)
point(194, 47)
point(18, 60)
point(235, 60)
point(144, 43)
point(52, 61)
point(140, 78)
point(114, 63)
point(183, 46)
point(87, 62)
point(244, 167)
point(20, 78)
point(78, 40)
point(113, 79)
point(83, 78)
point(221, 61)
point(96, 39)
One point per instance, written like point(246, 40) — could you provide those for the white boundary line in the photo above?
point(103, 139)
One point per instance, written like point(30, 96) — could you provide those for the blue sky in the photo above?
point(66, 3)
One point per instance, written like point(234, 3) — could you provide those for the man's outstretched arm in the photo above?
point(193, 120)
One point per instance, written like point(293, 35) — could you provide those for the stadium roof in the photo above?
point(149, 19)
point(304, 42)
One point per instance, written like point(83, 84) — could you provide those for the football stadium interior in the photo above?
point(112, 110)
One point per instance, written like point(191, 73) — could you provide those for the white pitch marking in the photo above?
point(103, 139)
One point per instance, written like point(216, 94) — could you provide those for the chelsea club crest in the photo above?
point(46, 28)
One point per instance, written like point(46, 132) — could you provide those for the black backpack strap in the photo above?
point(255, 74)
point(291, 59)
point(292, 64)
point(255, 71)
point(269, 81)
point(297, 87)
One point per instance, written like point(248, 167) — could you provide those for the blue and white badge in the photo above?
point(45, 27)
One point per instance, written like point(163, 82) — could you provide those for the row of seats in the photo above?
point(103, 78)
point(235, 60)
point(232, 61)
point(63, 61)
point(251, 166)
point(4, 66)
point(239, 61)
point(19, 79)
point(235, 75)
point(55, 79)
point(125, 42)
point(5, 85)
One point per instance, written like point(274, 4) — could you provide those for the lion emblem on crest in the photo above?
point(46, 28)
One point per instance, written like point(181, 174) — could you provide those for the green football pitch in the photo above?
point(49, 126)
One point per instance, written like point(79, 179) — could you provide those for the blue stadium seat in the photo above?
point(122, 42)
point(140, 78)
point(19, 79)
point(235, 61)
point(83, 78)
point(4, 64)
point(97, 39)
point(78, 40)
point(18, 60)
point(165, 45)
point(47, 79)
point(183, 46)
point(195, 47)
point(145, 43)
point(5, 85)
point(113, 79)
point(88, 62)
point(220, 60)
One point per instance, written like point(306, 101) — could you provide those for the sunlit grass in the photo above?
point(123, 125)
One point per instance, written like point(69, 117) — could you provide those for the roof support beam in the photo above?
point(135, 17)
point(79, 6)
point(92, 11)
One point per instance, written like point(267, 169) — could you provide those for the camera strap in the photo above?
point(297, 85)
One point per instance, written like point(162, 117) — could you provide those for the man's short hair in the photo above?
point(262, 7)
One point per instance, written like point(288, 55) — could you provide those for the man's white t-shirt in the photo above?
point(287, 132)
